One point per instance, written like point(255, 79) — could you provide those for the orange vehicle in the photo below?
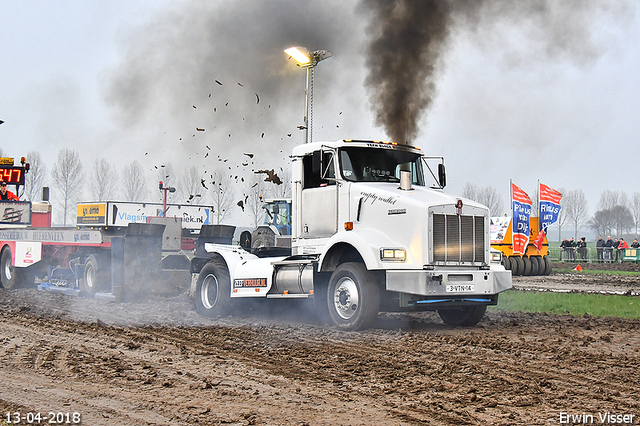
point(533, 262)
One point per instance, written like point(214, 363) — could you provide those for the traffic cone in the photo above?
point(578, 268)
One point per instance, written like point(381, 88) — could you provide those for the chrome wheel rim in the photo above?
point(346, 298)
point(209, 291)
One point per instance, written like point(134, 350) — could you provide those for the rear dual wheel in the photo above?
point(11, 276)
point(213, 290)
point(96, 276)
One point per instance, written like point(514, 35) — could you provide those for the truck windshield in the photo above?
point(379, 165)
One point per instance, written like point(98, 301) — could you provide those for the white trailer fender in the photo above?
point(250, 275)
point(232, 255)
point(366, 241)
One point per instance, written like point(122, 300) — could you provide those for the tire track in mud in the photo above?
point(317, 358)
point(182, 378)
point(513, 369)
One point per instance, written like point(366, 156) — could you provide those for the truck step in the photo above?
point(288, 296)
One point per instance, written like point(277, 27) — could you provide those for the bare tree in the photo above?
point(622, 218)
point(257, 188)
point(34, 180)
point(104, 180)
point(635, 210)
point(134, 185)
point(222, 193)
point(576, 209)
point(68, 178)
point(609, 199)
point(192, 187)
point(487, 196)
point(470, 191)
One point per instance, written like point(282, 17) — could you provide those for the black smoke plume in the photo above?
point(407, 37)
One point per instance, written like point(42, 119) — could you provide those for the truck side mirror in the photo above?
point(442, 175)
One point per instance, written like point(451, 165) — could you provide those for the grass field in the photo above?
point(576, 304)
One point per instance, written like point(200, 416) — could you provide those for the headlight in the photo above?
point(496, 256)
point(392, 254)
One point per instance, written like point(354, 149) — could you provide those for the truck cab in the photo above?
point(372, 230)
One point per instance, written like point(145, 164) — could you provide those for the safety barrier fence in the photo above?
point(588, 254)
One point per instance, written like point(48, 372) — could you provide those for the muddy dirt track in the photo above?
point(160, 363)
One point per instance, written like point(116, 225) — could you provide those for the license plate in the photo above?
point(461, 288)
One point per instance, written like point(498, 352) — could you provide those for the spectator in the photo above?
point(564, 249)
point(623, 245)
point(572, 250)
point(7, 195)
point(616, 243)
point(608, 248)
point(600, 248)
point(581, 247)
point(635, 243)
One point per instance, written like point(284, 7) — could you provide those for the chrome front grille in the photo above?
point(458, 238)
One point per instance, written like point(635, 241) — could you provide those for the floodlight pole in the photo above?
point(308, 106)
point(308, 60)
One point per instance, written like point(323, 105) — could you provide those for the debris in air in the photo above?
point(217, 81)
point(271, 176)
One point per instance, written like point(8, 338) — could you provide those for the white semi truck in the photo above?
point(369, 234)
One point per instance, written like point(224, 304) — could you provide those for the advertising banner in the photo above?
point(521, 206)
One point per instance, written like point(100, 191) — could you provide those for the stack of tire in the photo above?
point(527, 265)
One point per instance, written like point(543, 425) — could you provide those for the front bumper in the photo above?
point(449, 283)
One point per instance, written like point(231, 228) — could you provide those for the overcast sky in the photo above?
point(549, 93)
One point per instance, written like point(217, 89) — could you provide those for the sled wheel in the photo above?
point(353, 297)
point(213, 290)
point(506, 262)
point(527, 266)
point(96, 276)
point(547, 265)
point(537, 265)
point(517, 265)
point(465, 316)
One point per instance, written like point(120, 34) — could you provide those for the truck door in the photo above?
point(319, 204)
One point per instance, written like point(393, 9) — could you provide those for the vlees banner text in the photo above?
point(521, 207)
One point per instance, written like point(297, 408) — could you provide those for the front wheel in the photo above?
point(464, 316)
point(213, 290)
point(353, 297)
